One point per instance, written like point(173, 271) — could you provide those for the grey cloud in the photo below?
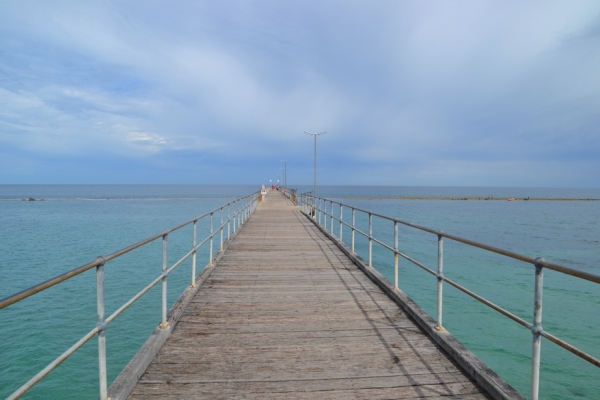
point(438, 89)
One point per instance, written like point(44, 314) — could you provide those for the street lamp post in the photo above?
point(284, 173)
point(315, 180)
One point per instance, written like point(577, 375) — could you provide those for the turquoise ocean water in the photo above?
point(76, 223)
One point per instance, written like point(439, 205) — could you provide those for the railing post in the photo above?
point(210, 247)
point(234, 217)
point(228, 222)
point(194, 255)
point(341, 222)
point(307, 205)
point(320, 211)
point(325, 214)
point(102, 380)
point(221, 246)
point(331, 217)
point(353, 224)
point(536, 329)
point(396, 256)
point(163, 322)
point(370, 240)
point(440, 281)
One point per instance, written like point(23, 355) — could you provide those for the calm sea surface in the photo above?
point(76, 223)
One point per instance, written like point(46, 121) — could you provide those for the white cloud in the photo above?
point(414, 80)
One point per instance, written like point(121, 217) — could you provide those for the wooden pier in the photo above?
point(287, 314)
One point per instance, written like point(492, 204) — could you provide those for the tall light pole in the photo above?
point(284, 173)
point(315, 181)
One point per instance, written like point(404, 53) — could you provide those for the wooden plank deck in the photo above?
point(286, 314)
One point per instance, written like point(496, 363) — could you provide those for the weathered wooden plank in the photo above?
point(457, 390)
point(286, 314)
point(318, 384)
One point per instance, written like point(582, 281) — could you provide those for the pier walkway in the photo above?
point(286, 314)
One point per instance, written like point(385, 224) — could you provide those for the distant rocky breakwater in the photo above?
point(489, 198)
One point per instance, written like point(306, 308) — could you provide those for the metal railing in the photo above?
point(289, 193)
point(238, 211)
point(316, 208)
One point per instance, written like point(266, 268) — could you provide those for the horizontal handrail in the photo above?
point(289, 193)
point(50, 367)
point(556, 267)
point(133, 300)
point(316, 208)
point(23, 294)
point(245, 206)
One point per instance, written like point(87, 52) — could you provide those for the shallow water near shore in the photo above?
point(76, 223)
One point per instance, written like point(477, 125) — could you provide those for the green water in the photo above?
point(77, 223)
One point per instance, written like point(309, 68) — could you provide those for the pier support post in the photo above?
point(536, 329)
point(163, 322)
point(102, 380)
point(370, 240)
point(396, 288)
point(440, 283)
point(194, 255)
point(353, 225)
point(210, 246)
point(331, 218)
point(221, 244)
point(319, 211)
point(341, 222)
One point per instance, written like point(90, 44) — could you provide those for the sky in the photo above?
point(417, 93)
